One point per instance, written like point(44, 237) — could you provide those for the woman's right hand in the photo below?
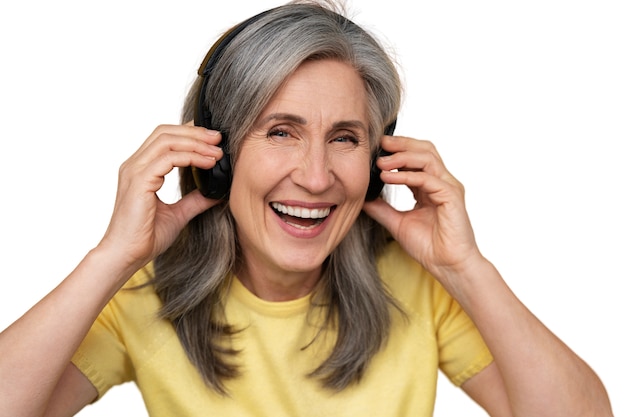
point(142, 226)
point(37, 348)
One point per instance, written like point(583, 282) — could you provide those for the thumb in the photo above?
point(193, 204)
point(383, 213)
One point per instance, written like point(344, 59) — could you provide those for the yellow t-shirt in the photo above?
point(128, 343)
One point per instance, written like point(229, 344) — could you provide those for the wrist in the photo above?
point(469, 279)
point(114, 261)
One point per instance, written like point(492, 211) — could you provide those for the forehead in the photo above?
point(326, 88)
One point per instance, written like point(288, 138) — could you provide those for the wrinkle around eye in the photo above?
point(347, 139)
point(283, 136)
point(278, 132)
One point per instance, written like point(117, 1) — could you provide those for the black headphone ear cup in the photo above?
point(214, 183)
point(376, 184)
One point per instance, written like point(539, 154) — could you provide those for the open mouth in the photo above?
point(301, 217)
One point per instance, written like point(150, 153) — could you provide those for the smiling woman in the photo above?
point(292, 291)
point(309, 146)
point(300, 164)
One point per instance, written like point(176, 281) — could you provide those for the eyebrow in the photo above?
point(288, 117)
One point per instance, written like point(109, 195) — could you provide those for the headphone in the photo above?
point(215, 183)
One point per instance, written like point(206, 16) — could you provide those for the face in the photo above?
point(302, 172)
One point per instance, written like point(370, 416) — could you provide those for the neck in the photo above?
point(270, 285)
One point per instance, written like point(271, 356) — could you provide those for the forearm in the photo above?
point(36, 349)
point(542, 376)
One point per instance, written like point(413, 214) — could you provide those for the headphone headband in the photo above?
point(209, 61)
point(215, 183)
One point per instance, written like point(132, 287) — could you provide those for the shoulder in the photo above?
point(142, 277)
point(136, 302)
point(133, 315)
point(410, 283)
point(400, 272)
point(395, 262)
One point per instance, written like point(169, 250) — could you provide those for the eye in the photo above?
point(277, 132)
point(283, 134)
point(347, 138)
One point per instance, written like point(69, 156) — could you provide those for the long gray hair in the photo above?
point(193, 275)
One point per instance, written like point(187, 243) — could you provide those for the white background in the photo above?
point(524, 100)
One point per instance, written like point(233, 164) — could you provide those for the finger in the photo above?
point(412, 161)
point(150, 174)
point(383, 213)
point(395, 144)
point(167, 132)
point(411, 154)
point(190, 205)
point(168, 143)
point(171, 150)
point(427, 187)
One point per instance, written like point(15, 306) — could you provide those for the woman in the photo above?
point(287, 297)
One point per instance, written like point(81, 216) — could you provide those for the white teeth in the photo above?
point(302, 212)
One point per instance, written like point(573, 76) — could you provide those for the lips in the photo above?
point(301, 217)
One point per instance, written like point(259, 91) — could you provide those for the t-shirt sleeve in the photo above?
point(462, 351)
point(102, 356)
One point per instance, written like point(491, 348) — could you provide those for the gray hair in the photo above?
point(192, 276)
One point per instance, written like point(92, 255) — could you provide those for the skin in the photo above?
point(534, 373)
point(37, 376)
point(308, 164)
point(309, 149)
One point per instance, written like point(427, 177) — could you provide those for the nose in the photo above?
point(313, 169)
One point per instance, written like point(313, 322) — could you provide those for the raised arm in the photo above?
point(35, 350)
point(534, 373)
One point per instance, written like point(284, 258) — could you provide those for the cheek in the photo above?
point(243, 185)
point(255, 173)
point(246, 185)
point(247, 163)
point(355, 175)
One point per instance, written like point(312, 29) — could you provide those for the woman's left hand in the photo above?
point(437, 231)
point(438, 234)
